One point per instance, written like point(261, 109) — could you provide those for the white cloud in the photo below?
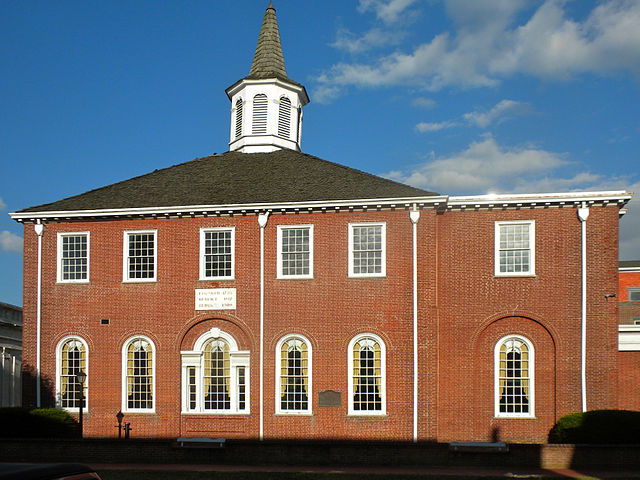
point(10, 242)
point(485, 166)
point(488, 46)
point(376, 37)
point(433, 127)
point(423, 102)
point(2, 205)
point(326, 93)
point(389, 11)
point(499, 112)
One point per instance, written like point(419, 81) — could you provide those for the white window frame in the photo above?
point(631, 290)
point(280, 273)
point(203, 232)
point(125, 256)
point(309, 409)
point(532, 248)
point(61, 236)
point(58, 399)
point(125, 348)
point(496, 374)
point(383, 373)
point(383, 239)
point(195, 359)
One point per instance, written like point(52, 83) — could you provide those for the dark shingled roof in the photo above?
point(235, 178)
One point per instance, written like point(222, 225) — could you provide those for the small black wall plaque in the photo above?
point(329, 398)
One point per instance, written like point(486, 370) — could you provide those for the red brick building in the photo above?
point(266, 293)
point(629, 334)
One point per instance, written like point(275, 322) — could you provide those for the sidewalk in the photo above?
point(444, 473)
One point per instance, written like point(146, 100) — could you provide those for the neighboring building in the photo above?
point(11, 362)
point(266, 293)
point(629, 334)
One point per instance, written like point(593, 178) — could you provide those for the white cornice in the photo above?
point(402, 202)
point(539, 199)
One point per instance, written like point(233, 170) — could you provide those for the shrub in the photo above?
point(597, 427)
point(20, 422)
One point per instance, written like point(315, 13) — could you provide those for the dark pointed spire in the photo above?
point(268, 61)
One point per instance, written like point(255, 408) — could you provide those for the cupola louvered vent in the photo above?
point(238, 118)
point(284, 118)
point(259, 114)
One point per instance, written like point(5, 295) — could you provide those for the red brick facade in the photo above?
point(629, 361)
point(464, 309)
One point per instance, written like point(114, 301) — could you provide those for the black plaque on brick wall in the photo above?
point(329, 398)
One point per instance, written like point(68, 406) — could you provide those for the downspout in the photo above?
point(262, 221)
point(583, 214)
point(39, 229)
point(414, 216)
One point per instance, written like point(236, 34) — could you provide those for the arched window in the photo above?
point(294, 373)
point(215, 375)
point(238, 118)
point(514, 377)
point(71, 360)
point(259, 114)
point(284, 118)
point(139, 373)
point(367, 376)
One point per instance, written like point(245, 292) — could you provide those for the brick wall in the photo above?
point(463, 311)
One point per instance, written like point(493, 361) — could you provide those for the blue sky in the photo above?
point(454, 96)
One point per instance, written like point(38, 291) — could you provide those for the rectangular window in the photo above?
point(140, 259)
point(73, 257)
point(367, 250)
point(514, 248)
point(191, 379)
point(217, 246)
point(634, 294)
point(295, 251)
point(242, 389)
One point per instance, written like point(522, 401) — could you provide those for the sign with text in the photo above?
point(215, 298)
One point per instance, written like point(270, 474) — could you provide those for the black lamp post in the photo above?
point(81, 377)
point(119, 417)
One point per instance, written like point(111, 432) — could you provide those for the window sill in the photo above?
point(217, 279)
point(368, 415)
point(293, 414)
point(515, 417)
point(515, 275)
point(373, 275)
point(140, 281)
point(72, 282)
point(224, 414)
point(139, 412)
point(294, 277)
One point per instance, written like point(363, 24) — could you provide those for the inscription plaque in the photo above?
point(329, 398)
point(215, 298)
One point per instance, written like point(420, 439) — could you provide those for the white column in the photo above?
point(414, 215)
point(262, 221)
point(39, 229)
point(583, 214)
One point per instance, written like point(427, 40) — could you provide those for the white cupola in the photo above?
point(266, 105)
